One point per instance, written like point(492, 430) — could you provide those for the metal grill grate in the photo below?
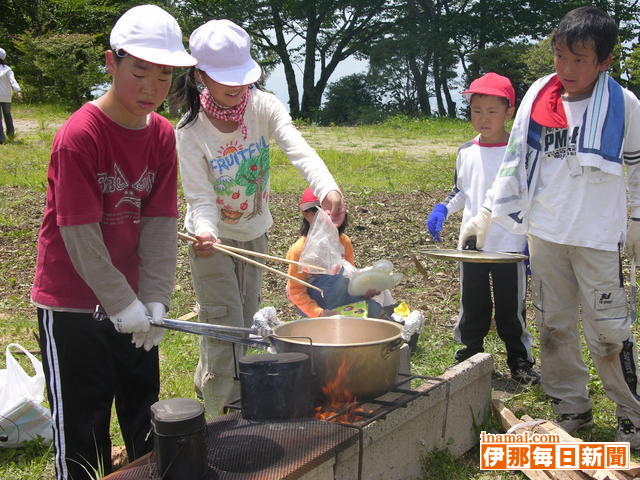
point(239, 449)
point(247, 450)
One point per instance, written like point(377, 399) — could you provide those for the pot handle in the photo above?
point(392, 346)
point(313, 371)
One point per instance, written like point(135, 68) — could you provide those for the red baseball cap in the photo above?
point(308, 200)
point(492, 84)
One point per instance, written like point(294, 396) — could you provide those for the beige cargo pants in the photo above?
point(568, 281)
point(228, 293)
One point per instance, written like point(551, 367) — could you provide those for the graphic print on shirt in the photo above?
point(557, 144)
point(125, 197)
point(242, 180)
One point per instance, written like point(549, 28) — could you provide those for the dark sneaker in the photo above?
point(628, 432)
point(572, 422)
point(465, 353)
point(524, 373)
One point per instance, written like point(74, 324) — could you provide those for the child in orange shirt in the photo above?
point(310, 301)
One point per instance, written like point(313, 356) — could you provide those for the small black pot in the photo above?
point(275, 386)
point(179, 441)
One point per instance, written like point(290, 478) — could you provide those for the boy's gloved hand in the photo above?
point(152, 338)
point(131, 319)
point(633, 239)
point(435, 220)
point(477, 226)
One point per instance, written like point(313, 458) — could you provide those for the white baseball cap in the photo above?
point(150, 33)
point(3, 54)
point(223, 51)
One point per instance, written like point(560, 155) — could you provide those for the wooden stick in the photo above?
point(189, 238)
point(271, 257)
point(257, 254)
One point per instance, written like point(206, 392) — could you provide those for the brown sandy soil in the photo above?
point(350, 140)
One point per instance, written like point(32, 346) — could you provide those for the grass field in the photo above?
point(392, 175)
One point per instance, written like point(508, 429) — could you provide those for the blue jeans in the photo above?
point(6, 113)
point(336, 293)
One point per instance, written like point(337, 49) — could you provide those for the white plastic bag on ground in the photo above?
point(22, 418)
point(411, 323)
point(264, 320)
point(323, 247)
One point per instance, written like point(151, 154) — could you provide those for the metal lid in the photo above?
point(474, 256)
point(267, 359)
point(177, 416)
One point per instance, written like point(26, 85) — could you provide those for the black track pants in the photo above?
point(508, 283)
point(87, 365)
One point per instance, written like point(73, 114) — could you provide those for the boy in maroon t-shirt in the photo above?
point(108, 237)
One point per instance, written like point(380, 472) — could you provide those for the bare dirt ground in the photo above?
point(27, 126)
point(350, 140)
point(382, 226)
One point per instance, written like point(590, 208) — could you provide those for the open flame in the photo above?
point(341, 405)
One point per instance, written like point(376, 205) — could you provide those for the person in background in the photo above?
point(224, 152)
point(492, 101)
point(562, 182)
point(8, 85)
point(309, 301)
point(109, 237)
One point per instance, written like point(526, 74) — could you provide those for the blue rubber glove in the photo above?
point(527, 265)
point(435, 221)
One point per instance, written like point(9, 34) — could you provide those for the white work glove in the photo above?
point(477, 226)
point(633, 239)
point(152, 338)
point(131, 319)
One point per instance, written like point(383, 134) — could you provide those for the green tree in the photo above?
point(538, 61)
point(632, 67)
point(508, 60)
point(318, 34)
point(61, 67)
point(351, 100)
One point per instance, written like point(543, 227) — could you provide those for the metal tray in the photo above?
point(473, 256)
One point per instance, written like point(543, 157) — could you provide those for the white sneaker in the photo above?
point(628, 432)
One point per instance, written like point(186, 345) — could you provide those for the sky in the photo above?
point(277, 83)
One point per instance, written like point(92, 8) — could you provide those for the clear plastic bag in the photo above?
point(323, 247)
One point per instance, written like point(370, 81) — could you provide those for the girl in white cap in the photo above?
point(223, 146)
point(109, 237)
point(8, 85)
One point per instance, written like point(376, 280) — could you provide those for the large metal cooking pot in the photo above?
point(368, 349)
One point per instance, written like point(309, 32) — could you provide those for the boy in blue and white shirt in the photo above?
point(562, 182)
point(492, 101)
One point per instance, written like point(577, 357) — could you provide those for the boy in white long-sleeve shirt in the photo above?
point(492, 99)
point(562, 182)
point(8, 85)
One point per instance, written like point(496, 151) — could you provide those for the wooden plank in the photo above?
point(505, 416)
point(188, 316)
point(507, 419)
point(606, 474)
point(570, 475)
point(537, 474)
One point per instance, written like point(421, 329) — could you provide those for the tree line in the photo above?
point(419, 51)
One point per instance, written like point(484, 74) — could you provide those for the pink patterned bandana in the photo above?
point(231, 114)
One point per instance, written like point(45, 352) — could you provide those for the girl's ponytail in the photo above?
point(185, 97)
